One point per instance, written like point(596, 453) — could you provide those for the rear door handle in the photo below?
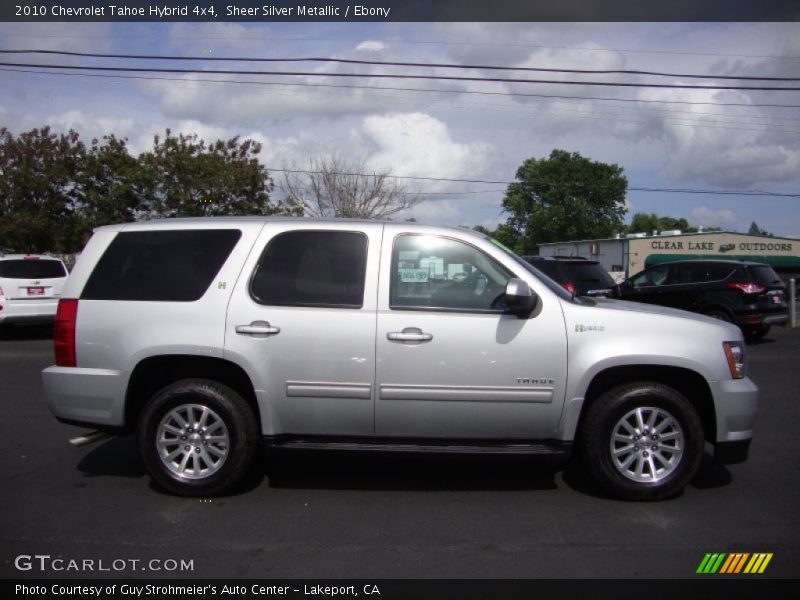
point(409, 334)
point(258, 329)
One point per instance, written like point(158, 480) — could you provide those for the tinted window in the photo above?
point(32, 269)
point(764, 275)
point(701, 272)
point(590, 273)
point(312, 268)
point(549, 268)
point(174, 266)
point(650, 277)
point(440, 273)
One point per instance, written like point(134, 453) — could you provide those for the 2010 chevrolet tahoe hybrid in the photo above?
point(211, 337)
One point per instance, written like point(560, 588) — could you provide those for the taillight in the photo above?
point(64, 332)
point(746, 287)
point(569, 287)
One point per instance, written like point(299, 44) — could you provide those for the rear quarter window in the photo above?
point(32, 269)
point(765, 275)
point(170, 266)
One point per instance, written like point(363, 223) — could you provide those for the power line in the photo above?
point(400, 76)
point(699, 122)
point(576, 185)
point(404, 89)
point(262, 38)
point(426, 65)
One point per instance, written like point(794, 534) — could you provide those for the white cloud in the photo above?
point(371, 46)
point(708, 217)
point(91, 127)
point(420, 145)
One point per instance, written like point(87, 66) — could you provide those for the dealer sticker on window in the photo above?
point(414, 275)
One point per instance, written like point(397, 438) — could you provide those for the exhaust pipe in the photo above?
point(90, 438)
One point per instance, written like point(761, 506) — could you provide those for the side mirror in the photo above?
point(520, 299)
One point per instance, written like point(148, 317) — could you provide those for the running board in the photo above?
point(544, 449)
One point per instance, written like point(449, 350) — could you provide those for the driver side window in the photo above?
point(652, 277)
point(432, 272)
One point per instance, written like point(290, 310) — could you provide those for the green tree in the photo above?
point(110, 184)
point(182, 176)
point(564, 197)
point(38, 190)
point(756, 230)
point(650, 222)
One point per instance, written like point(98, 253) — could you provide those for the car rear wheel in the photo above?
point(642, 441)
point(197, 438)
point(719, 314)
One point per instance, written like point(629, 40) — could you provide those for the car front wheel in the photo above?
point(197, 438)
point(642, 441)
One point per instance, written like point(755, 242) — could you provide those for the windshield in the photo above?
point(554, 287)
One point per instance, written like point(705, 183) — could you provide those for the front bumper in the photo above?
point(89, 397)
point(736, 405)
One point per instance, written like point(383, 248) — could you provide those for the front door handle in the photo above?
point(409, 334)
point(258, 329)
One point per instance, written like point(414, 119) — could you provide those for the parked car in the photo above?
point(749, 294)
point(205, 337)
point(579, 276)
point(30, 285)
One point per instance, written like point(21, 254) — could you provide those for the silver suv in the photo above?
point(207, 337)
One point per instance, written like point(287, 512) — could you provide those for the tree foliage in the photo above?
point(650, 222)
point(756, 230)
point(110, 184)
point(38, 189)
point(564, 197)
point(332, 186)
point(54, 189)
point(183, 176)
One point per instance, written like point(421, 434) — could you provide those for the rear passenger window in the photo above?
point(701, 272)
point(168, 266)
point(312, 268)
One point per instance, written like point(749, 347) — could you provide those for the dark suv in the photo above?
point(579, 276)
point(749, 294)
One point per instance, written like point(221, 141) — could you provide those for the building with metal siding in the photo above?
point(634, 253)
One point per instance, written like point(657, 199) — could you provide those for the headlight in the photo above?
point(734, 354)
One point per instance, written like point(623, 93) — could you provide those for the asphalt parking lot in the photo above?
point(376, 517)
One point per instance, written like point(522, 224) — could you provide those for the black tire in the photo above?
point(756, 333)
point(235, 439)
point(606, 415)
point(718, 313)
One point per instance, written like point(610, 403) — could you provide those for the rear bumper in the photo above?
point(28, 311)
point(762, 319)
point(90, 397)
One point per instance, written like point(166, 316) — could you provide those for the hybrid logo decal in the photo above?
point(734, 563)
point(584, 328)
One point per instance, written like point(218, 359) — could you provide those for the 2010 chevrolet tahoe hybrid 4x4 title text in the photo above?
point(209, 336)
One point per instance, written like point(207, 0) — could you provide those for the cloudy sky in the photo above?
point(663, 138)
